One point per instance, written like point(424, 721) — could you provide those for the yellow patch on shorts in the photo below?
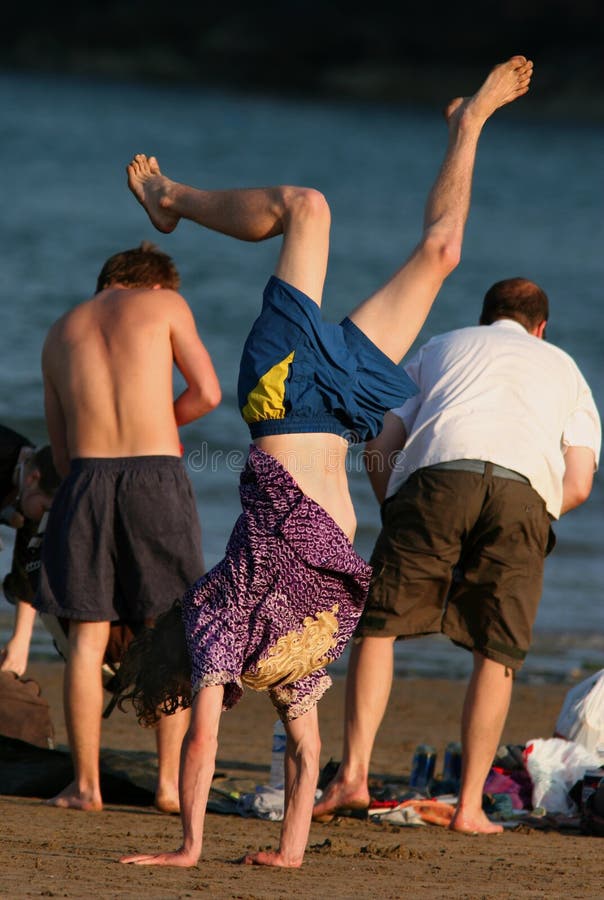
point(296, 653)
point(267, 399)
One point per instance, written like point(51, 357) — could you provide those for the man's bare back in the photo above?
point(108, 368)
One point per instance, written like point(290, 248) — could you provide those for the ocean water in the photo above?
point(536, 211)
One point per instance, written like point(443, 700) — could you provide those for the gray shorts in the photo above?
point(123, 540)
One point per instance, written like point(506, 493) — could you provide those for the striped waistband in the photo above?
point(479, 466)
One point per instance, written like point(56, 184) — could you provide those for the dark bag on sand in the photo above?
point(24, 714)
point(593, 814)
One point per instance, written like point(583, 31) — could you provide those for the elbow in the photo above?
point(581, 493)
point(200, 746)
point(575, 494)
point(213, 397)
point(207, 398)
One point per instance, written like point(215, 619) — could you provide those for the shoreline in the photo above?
point(410, 712)
point(556, 658)
point(424, 87)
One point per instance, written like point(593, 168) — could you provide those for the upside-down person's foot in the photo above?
point(72, 798)
point(504, 84)
point(466, 822)
point(152, 189)
point(339, 798)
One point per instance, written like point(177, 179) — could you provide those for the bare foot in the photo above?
point(167, 801)
point(72, 798)
point(151, 189)
point(504, 84)
point(270, 858)
point(473, 823)
point(339, 797)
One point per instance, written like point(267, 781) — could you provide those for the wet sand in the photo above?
point(62, 853)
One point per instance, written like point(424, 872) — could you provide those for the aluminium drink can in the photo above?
point(422, 768)
point(452, 763)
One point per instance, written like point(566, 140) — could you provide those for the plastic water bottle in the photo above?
point(277, 777)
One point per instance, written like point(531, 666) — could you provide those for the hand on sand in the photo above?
point(270, 858)
point(179, 858)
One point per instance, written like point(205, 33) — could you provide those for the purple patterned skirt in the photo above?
point(282, 603)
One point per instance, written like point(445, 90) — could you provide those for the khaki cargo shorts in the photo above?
point(460, 553)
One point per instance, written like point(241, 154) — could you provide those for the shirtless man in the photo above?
point(297, 510)
point(123, 539)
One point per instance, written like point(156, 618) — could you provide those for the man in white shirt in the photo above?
point(502, 438)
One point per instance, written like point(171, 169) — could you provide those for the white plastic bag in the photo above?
point(581, 718)
point(555, 765)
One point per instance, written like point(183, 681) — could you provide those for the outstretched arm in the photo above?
point(301, 775)
point(197, 762)
point(13, 657)
point(301, 215)
point(393, 316)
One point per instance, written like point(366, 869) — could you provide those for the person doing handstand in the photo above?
point(287, 595)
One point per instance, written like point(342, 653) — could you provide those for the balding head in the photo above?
point(518, 299)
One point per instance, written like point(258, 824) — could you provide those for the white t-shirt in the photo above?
point(498, 394)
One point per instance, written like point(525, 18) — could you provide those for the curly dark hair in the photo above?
point(155, 671)
point(43, 462)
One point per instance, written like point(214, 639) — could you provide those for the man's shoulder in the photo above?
point(73, 313)
point(146, 302)
point(152, 301)
point(456, 336)
point(562, 357)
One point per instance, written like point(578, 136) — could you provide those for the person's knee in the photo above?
point(305, 205)
point(88, 638)
point(488, 665)
point(442, 250)
point(373, 650)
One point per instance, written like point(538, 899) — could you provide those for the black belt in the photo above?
point(479, 466)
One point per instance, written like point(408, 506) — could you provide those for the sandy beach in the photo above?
point(57, 853)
